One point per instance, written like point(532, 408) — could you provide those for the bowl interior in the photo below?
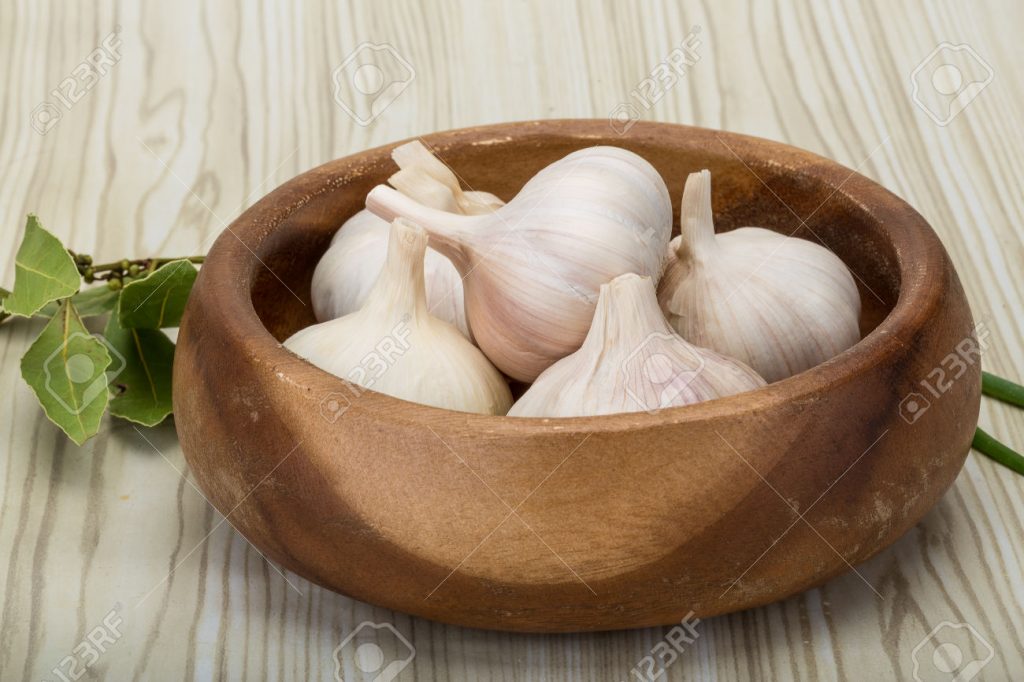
point(754, 182)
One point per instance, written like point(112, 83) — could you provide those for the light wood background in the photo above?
point(213, 104)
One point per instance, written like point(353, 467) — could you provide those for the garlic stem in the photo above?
point(447, 230)
point(626, 314)
point(425, 178)
point(407, 247)
point(696, 223)
point(415, 182)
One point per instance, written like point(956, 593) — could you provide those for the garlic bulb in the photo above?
point(532, 269)
point(630, 361)
point(393, 345)
point(346, 272)
point(780, 304)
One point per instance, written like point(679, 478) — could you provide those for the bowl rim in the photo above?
point(919, 255)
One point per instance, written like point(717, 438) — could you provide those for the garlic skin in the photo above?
point(532, 268)
point(393, 345)
point(346, 272)
point(426, 179)
point(780, 304)
point(631, 361)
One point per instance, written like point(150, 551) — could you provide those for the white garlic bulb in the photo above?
point(630, 361)
point(394, 345)
point(346, 272)
point(780, 304)
point(532, 269)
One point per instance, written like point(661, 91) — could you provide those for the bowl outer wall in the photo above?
point(587, 523)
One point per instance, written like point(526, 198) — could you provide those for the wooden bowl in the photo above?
point(589, 523)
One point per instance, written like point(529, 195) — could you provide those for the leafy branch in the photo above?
point(77, 375)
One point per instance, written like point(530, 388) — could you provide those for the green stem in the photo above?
point(160, 262)
point(102, 267)
point(123, 270)
point(993, 449)
point(1002, 389)
point(143, 262)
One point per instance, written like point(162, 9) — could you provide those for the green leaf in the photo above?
point(142, 391)
point(98, 300)
point(157, 301)
point(44, 271)
point(67, 368)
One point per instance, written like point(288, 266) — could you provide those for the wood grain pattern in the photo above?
point(211, 105)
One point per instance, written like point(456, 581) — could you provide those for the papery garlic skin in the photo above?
point(780, 304)
point(346, 272)
point(632, 361)
point(532, 269)
point(428, 180)
point(393, 345)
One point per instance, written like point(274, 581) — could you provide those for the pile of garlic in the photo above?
point(572, 287)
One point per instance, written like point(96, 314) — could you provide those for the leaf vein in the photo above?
point(19, 264)
point(145, 365)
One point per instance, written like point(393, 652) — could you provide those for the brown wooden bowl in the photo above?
point(589, 523)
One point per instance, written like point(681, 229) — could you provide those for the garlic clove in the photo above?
point(393, 345)
point(631, 361)
point(780, 304)
point(346, 272)
point(532, 269)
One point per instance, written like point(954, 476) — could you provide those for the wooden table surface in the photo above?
point(211, 105)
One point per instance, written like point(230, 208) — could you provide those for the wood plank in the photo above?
point(213, 104)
